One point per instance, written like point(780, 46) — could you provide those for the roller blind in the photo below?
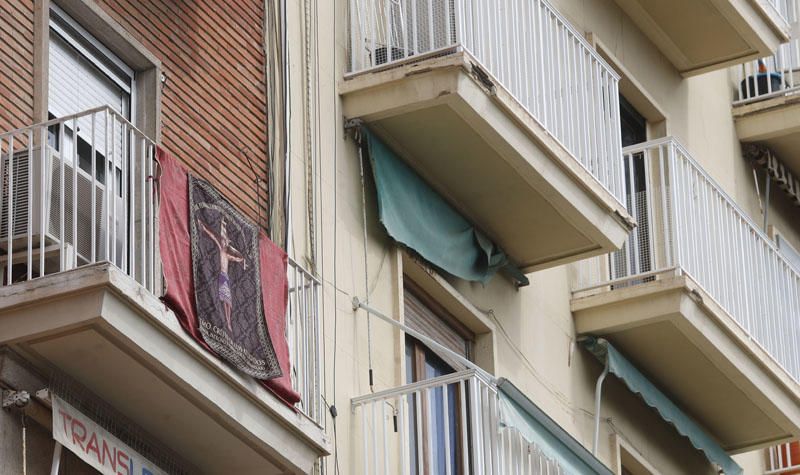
point(83, 75)
point(420, 317)
point(76, 85)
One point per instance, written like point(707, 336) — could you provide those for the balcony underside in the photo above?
point(486, 155)
point(103, 330)
point(694, 351)
point(703, 35)
point(774, 122)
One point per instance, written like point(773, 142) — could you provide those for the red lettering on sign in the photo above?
point(65, 418)
point(93, 447)
point(122, 461)
point(78, 438)
point(112, 459)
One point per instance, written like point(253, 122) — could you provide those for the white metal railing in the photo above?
point(787, 9)
point(775, 75)
point(63, 216)
point(783, 459)
point(688, 224)
point(304, 335)
point(56, 216)
point(446, 425)
point(525, 45)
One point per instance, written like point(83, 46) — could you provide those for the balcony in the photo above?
point(703, 35)
point(701, 300)
point(766, 108)
point(532, 130)
point(81, 269)
point(460, 423)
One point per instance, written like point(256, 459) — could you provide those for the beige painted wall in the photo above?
point(535, 340)
point(698, 109)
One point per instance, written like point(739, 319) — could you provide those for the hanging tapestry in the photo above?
point(227, 282)
point(175, 246)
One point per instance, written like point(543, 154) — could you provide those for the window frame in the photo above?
point(622, 450)
point(433, 290)
point(76, 36)
point(115, 41)
point(420, 355)
point(478, 323)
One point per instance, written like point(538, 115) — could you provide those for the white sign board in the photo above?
point(95, 445)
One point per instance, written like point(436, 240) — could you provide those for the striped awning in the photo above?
point(639, 384)
point(537, 439)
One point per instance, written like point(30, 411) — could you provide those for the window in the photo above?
point(422, 363)
point(634, 131)
point(630, 461)
point(789, 252)
point(633, 124)
point(84, 74)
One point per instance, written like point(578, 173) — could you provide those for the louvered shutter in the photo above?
point(420, 317)
point(76, 84)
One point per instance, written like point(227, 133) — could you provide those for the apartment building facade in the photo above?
point(522, 236)
point(106, 378)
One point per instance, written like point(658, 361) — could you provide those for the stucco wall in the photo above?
point(535, 338)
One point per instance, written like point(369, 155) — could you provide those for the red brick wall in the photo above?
point(16, 64)
point(214, 100)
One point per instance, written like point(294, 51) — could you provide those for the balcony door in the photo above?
point(635, 258)
point(84, 74)
point(440, 422)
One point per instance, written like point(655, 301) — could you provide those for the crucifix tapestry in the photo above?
point(227, 282)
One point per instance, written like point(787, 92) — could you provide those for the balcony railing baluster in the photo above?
point(526, 46)
point(80, 189)
point(688, 223)
point(303, 333)
point(775, 75)
point(449, 424)
point(69, 200)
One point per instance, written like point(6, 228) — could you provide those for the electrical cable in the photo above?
point(561, 398)
point(287, 117)
point(366, 262)
point(335, 247)
point(320, 267)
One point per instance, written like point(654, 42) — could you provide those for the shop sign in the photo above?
point(95, 445)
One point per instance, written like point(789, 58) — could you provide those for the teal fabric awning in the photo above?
point(639, 384)
point(419, 218)
point(517, 411)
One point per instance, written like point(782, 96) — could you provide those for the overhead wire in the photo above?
point(287, 117)
point(335, 135)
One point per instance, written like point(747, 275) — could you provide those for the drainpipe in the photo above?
point(597, 393)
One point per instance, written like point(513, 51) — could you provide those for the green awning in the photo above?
point(639, 384)
point(417, 217)
point(537, 428)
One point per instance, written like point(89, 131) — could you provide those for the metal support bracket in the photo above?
point(350, 124)
point(17, 399)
